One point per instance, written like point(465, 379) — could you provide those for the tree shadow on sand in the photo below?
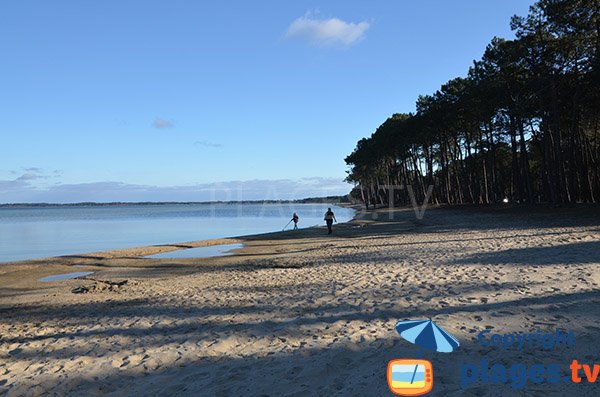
point(351, 364)
point(571, 253)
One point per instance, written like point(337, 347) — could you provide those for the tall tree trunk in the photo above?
point(516, 174)
point(525, 163)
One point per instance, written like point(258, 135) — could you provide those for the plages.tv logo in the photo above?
point(410, 377)
point(414, 377)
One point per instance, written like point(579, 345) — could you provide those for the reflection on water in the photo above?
point(65, 276)
point(200, 252)
point(27, 233)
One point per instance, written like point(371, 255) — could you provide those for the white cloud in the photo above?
point(327, 32)
point(161, 123)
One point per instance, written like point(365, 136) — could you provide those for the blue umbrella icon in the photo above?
point(425, 333)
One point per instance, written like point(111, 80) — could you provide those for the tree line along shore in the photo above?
point(522, 126)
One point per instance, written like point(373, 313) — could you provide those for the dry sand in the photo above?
point(303, 313)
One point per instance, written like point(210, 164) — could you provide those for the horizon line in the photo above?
point(115, 203)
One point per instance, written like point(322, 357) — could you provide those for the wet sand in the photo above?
point(303, 313)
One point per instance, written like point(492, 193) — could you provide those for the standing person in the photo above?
point(295, 219)
point(329, 218)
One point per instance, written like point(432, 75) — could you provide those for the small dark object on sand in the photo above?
point(80, 290)
point(109, 282)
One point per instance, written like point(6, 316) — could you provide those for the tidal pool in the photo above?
point(200, 252)
point(64, 276)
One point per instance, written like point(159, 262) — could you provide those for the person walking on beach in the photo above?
point(295, 219)
point(329, 218)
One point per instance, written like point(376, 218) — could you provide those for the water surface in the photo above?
point(37, 232)
point(64, 276)
point(200, 252)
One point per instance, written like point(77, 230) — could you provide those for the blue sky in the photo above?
point(156, 100)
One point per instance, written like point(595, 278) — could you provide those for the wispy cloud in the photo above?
point(327, 32)
point(22, 185)
point(29, 176)
point(161, 123)
point(207, 144)
point(35, 170)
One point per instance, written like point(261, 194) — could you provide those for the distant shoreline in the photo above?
point(309, 200)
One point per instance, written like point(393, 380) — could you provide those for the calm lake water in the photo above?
point(27, 233)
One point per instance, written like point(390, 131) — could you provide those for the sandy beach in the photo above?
point(302, 313)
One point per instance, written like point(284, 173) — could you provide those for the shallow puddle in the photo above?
point(65, 276)
point(200, 252)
